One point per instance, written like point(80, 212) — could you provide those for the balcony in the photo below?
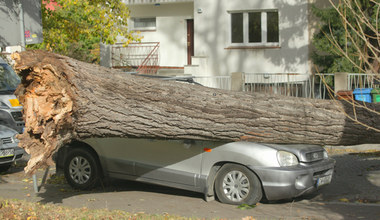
point(149, 2)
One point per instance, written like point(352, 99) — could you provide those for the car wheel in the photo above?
point(5, 167)
point(236, 184)
point(81, 169)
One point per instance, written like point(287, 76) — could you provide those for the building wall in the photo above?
point(170, 30)
point(212, 37)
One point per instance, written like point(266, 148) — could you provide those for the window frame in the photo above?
point(264, 29)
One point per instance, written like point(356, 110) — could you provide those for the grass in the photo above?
point(19, 209)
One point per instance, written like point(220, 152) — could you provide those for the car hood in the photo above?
point(6, 132)
point(5, 99)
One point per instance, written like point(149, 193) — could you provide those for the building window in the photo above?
point(253, 28)
point(144, 23)
point(237, 28)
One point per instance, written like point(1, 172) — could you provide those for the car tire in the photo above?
point(236, 184)
point(5, 167)
point(81, 169)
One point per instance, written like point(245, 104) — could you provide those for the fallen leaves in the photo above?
point(19, 209)
point(248, 218)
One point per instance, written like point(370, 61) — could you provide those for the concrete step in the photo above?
point(170, 72)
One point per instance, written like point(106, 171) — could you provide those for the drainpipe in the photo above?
point(22, 27)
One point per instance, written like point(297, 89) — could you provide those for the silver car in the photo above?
point(236, 172)
point(9, 151)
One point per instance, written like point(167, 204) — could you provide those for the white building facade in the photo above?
point(220, 37)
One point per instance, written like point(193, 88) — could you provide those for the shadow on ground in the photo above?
point(56, 193)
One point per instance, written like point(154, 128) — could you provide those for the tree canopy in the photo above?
point(76, 27)
point(349, 38)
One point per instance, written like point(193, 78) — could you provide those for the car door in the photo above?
point(153, 160)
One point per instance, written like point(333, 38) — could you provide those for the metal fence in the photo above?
point(289, 84)
point(292, 84)
point(150, 63)
point(360, 80)
point(219, 82)
point(134, 55)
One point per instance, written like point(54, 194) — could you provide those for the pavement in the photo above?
point(354, 193)
point(357, 174)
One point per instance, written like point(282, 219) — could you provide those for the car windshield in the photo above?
point(9, 80)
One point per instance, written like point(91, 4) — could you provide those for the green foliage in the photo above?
point(76, 27)
point(245, 206)
point(340, 44)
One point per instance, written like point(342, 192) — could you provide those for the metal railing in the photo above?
point(298, 85)
point(150, 63)
point(292, 84)
point(135, 55)
point(288, 84)
point(219, 82)
point(361, 80)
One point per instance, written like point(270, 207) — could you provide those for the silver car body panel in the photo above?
point(9, 144)
point(11, 116)
point(10, 109)
point(189, 164)
point(174, 163)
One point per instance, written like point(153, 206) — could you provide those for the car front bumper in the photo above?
point(6, 158)
point(289, 182)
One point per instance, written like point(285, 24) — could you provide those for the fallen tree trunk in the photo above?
point(65, 99)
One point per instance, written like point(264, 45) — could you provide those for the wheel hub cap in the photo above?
point(80, 170)
point(236, 186)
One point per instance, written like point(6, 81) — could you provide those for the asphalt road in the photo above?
point(353, 194)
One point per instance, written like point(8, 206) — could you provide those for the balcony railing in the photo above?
point(150, 63)
point(141, 56)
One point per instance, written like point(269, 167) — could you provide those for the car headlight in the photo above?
point(325, 154)
point(286, 159)
point(15, 140)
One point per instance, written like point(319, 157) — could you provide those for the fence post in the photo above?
point(105, 55)
point(340, 82)
point(237, 81)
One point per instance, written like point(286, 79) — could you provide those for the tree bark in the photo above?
point(65, 99)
